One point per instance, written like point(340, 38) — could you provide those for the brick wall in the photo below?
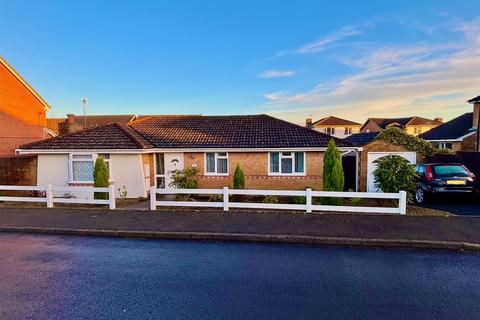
point(469, 143)
point(375, 146)
point(255, 168)
point(14, 132)
point(371, 126)
point(16, 100)
point(18, 171)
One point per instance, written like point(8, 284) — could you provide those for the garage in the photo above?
point(373, 157)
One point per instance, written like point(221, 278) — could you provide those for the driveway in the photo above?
point(467, 206)
point(64, 277)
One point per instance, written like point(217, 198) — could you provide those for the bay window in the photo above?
point(287, 163)
point(216, 163)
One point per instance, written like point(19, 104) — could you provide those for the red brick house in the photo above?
point(22, 111)
point(274, 154)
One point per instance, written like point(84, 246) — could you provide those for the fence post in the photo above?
point(308, 200)
point(153, 198)
point(225, 198)
point(402, 203)
point(111, 196)
point(49, 195)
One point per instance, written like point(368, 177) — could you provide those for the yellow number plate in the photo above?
point(456, 182)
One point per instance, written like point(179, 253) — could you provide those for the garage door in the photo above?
point(372, 165)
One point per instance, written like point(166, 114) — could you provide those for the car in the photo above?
point(439, 178)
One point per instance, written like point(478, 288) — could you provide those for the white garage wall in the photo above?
point(127, 170)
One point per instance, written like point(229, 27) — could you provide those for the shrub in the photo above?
point(238, 178)
point(184, 179)
point(333, 178)
point(300, 200)
point(100, 178)
point(399, 137)
point(215, 198)
point(270, 199)
point(394, 173)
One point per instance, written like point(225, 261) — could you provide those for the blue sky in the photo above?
point(354, 59)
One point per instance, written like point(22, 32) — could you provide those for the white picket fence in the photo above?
point(50, 198)
point(308, 194)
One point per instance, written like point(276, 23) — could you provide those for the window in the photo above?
point(330, 131)
point(287, 163)
point(444, 145)
point(81, 166)
point(216, 163)
point(160, 173)
point(348, 130)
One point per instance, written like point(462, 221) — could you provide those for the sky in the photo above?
point(290, 59)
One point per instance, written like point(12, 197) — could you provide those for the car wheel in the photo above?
point(420, 195)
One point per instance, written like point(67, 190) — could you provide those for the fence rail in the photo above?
point(308, 194)
point(49, 197)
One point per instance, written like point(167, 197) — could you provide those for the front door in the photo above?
point(166, 164)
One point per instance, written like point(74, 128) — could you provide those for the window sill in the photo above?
point(215, 174)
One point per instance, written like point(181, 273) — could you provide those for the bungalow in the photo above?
point(274, 154)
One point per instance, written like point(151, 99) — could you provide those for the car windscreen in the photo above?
point(445, 171)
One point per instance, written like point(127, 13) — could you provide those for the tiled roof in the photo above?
point(474, 100)
point(335, 121)
point(361, 139)
point(250, 131)
point(93, 121)
point(110, 136)
point(415, 121)
point(452, 129)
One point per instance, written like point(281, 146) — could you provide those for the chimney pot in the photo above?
point(308, 122)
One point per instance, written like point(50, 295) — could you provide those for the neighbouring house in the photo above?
point(459, 134)
point(74, 123)
point(371, 151)
point(22, 111)
point(411, 125)
point(274, 154)
point(334, 126)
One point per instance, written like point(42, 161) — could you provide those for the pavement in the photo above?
point(66, 277)
point(454, 232)
point(456, 204)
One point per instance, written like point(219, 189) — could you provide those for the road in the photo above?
point(60, 277)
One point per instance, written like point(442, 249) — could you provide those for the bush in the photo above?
point(300, 200)
point(270, 199)
point(333, 178)
point(399, 137)
point(100, 178)
point(394, 173)
point(184, 179)
point(238, 178)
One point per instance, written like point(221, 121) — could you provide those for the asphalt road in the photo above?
point(58, 277)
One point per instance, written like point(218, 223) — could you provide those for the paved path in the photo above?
point(461, 229)
point(64, 277)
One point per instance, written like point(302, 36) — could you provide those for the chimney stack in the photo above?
point(70, 118)
point(476, 114)
point(308, 122)
point(439, 119)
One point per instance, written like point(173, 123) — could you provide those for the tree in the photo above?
point(100, 178)
point(333, 178)
point(394, 173)
point(238, 178)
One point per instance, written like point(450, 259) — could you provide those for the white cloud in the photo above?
point(276, 74)
point(320, 44)
point(425, 79)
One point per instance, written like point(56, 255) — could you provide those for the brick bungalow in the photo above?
point(274, 154)
point(22, 111)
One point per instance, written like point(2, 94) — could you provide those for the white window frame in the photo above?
point(292, 156)
point(216, 173)
point(94, 158)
